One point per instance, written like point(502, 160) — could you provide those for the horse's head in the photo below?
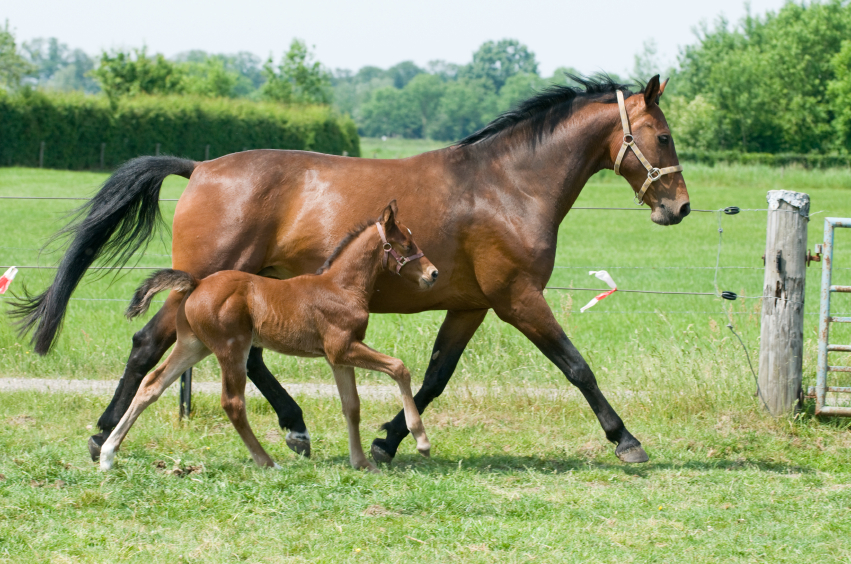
point(402, 256)
point(658, 180)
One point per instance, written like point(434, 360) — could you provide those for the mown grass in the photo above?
point(512, 479)
point(514, 476)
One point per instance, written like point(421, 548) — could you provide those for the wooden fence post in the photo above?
point(782, 334)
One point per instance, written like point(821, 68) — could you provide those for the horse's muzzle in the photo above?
point(667, 214)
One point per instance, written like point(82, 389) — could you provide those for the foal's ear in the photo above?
point(652, 91)
point(662, 88)
point(389, 215)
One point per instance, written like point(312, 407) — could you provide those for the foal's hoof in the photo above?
point(633, 454)
point(95, 442)
point(299, 443)
point(379, 454)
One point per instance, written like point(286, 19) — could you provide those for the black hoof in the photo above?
point(632, 455)
point(299, 445)
point(95, 442)
point(379, 454)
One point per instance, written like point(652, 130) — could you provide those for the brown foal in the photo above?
point(312, 315)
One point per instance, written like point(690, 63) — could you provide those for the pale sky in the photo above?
point(590, 36)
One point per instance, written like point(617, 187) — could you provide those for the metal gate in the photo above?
point(825, 319)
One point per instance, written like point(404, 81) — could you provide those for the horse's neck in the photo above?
point(556, 168)
point(358, 265)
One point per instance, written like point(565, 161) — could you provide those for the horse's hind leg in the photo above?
point(184, 355)
point(290, 415)
point(149, 345)
point(346, 385)
point(455, 332)
point(233, 364)
point(362, 356)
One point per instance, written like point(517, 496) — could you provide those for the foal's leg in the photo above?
point(149, 345)
point(290, 415)
point(233, 401)
point(457, 330)
point(530, 313)
point(362, 356)
point(184, 355)
point(346, 385)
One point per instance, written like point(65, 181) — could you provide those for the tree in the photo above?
point(126, 74)
point(839, 92)
point(13, 67)
point(465, 107)
point(403, 72)
point(646, 63)
point(298, 78)
point(425, 91)
point(767, 78)
point(497, 62)
point(390, 111)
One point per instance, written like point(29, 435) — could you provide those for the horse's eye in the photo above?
point(663, 139)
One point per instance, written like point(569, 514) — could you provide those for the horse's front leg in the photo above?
point(290, 415)
point(529, 312)
point(455, 332)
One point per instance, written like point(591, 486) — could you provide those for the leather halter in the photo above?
point(388, 248)
point(653, 173)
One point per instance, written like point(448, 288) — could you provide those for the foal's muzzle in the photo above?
point(428, 279)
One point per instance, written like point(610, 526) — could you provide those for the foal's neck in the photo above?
point(358, 265)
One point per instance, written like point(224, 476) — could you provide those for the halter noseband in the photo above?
point(653, 173)
point(388, 248)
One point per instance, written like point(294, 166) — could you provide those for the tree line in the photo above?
point(773, 83)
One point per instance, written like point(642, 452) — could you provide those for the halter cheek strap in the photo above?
point(388, 248)
point(653, 173)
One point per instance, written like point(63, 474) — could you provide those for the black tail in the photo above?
point(117, 222)
point(166, 279)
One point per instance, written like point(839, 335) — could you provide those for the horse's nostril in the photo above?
point(434, 275)
point(685, 210)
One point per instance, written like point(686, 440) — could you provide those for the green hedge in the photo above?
point(73, 127)
point(780, 159)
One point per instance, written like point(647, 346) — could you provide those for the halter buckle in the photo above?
point(628, 139)
point(654, 174)
point(638, 202)
point(387, 247)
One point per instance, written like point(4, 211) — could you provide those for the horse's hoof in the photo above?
point(95, 442)
point(379, 454)
point(633, 455)
point(299, 443)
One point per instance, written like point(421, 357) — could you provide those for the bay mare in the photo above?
point(486, 211)
point(325, 315)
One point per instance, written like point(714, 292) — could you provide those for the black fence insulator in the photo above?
point(727, 295)
point(732, 210)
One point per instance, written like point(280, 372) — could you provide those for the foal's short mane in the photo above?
point(545, 110)
point(351, 236)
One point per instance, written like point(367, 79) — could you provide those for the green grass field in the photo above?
point(513, 478)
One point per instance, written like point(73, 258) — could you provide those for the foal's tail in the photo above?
point(118, 221)
point(166, 279)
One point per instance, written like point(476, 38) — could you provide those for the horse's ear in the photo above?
point(389, 215)
point(652, 91)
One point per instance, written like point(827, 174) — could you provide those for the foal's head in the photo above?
point(667, 196)
point(402, 256)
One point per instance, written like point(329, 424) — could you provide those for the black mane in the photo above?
point(351, 236)
point(545, 110)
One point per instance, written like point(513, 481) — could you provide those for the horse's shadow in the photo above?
point(510, 464)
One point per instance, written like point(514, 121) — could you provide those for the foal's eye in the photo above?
point(663, 139)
